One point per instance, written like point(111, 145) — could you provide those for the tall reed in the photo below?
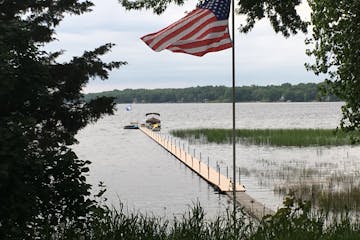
point(295, 220)
point(274, 137)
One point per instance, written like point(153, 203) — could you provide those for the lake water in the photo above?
point(147, 178)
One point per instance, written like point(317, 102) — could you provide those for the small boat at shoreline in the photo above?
point(133, 125)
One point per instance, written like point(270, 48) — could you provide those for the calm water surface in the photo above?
point(146, 178)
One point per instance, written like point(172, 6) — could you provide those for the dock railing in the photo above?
point(212, 176)
point(204, 170)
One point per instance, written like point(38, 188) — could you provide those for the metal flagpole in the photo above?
point(233, 110)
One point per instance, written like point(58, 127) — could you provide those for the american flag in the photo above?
point(203, 30)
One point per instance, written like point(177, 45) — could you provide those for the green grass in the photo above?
point(274, 137)
point(295, 220)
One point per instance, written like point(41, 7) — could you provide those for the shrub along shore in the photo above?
point(273, 137)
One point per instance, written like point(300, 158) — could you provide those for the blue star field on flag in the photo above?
point(221, 8)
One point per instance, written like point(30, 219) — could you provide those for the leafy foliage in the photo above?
point(158, 6)
point(42, 181)
point(335, 41)
point(282, 14)
point(294, 221)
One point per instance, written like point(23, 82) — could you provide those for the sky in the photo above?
point(262, 56)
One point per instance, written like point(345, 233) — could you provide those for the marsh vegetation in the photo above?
point(273, 137)
point(295, 220)
point(306, 168)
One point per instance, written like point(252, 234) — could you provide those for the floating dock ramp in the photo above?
point(212, 176)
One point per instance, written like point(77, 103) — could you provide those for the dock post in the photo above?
point(227, 171)
point(199, 167)
point(219, 172)
point(208, 168)
point(185, 154)
point(200, 163)
point(264, 211)
point(175, 147)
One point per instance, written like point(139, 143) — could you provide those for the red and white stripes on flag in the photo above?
point(198, 33)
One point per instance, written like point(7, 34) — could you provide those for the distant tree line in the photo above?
point(303, 92)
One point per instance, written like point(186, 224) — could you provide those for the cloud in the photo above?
point(262, 57)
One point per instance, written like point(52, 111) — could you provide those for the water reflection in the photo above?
point(147, 178)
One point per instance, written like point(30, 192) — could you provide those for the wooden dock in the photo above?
point(215, 178)
point(212, 176)
point(251, 206)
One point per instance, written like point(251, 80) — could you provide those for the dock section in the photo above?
point(212, 176)
point(251, 205)
point(209, 174)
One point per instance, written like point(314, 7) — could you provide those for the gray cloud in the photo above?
point(262, 56)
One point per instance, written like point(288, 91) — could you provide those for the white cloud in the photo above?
point(262, 57)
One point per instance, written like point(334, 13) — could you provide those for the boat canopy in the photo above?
point(152, 114)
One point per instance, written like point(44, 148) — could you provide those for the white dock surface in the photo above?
point(212, 176)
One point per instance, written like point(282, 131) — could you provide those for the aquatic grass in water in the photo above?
point(331, 191)
point(295, 220)
point(274, 137)
point(120, 224)
point(324, 199)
